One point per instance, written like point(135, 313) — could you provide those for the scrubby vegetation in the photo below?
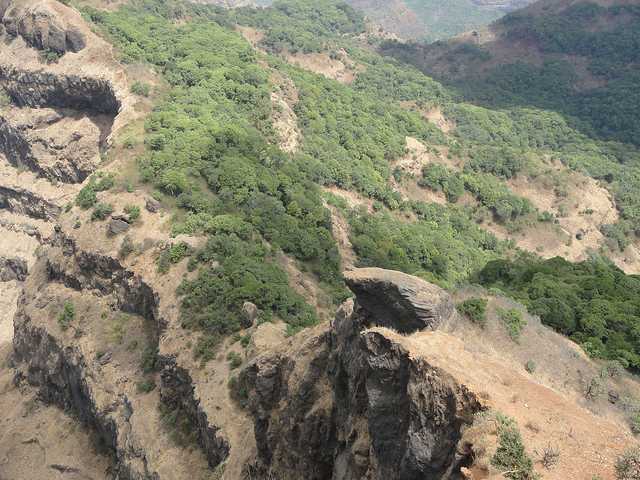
point(593, 302)
point(628, 465)
point(67, 315)
point(211, 149)
point(511, 456)
point(475, 309)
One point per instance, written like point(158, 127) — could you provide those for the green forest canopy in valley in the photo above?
point(211, 145)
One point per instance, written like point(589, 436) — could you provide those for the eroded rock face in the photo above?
point(55, 145)
point(46, 89)
point(12, 269)
point(352, 403)
point(22, 201)
point(399, 301)
point(41, 27)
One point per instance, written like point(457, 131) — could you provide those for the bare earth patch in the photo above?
point(285, 121)
point(581, 206)
point(341, 69)
point(549, 412)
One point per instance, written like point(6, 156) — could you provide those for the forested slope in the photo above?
point(211, 149)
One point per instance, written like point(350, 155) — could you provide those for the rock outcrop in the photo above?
point(46, 89)
point(41, 26)
point(54, 144)
point(13, 269)
point(22, 201)
point(399, 301)
point(351, 403)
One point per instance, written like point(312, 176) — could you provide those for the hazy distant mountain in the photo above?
point(434, 19)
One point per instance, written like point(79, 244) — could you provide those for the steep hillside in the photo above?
point(240, 244)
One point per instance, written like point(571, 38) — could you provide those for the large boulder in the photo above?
point(399, 301)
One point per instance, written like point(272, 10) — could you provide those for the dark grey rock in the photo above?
point(399, 301)
point(152, 205)
point(13, 269)
point(116, 227)
point(349, 403)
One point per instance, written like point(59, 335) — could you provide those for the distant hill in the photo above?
point(579, 58)
point(434, 19)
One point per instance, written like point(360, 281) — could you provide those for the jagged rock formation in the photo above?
point(45, 89)
point(12, 269)
point(399, 301)
point(40, 25)
point(54, 144)
point(352, 403)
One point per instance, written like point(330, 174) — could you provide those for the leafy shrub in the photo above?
point(133, 212)
point(149, 360)
point(593, 388)
point(634, 423)
point(511, 456)
point(99, 182)
point(593, 301)
point(101, 211)
point(50, 56)
point(172, 255)
point(234, 359)
point(67, 315)
point(475, 309)
point(147, 385)
point(530, 366)
point(141, 88)
point(513, 321)
point(126, 247)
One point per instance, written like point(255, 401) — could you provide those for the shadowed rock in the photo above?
point(399, 301)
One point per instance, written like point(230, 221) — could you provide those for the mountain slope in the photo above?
point(184, 188)
point(434, 19)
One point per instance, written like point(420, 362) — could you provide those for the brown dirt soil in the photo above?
point(629, 260)
point(341, 69)
point(588, 443)
point(433, 115)
point(341, 231)
point(283, 100)
point(418, 155)
point(581, 206)
point(251, 35)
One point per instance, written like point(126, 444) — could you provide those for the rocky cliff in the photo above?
point(352, 403)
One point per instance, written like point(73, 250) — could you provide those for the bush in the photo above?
point(101, 211)
point(530, 366)
point(593, 301)
point(513, 321)
point(593, 388)
point(141, 88)
point(634, 423)
point(149, 360)
point(126, 247)
point(475, 309)
point(133, 212)
point(234, 359)
point(172, 255)
point(67, 315)
point(99, 182)
point(146, 385)
point(628, 465)
point(50, 56)
point(511, 456)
